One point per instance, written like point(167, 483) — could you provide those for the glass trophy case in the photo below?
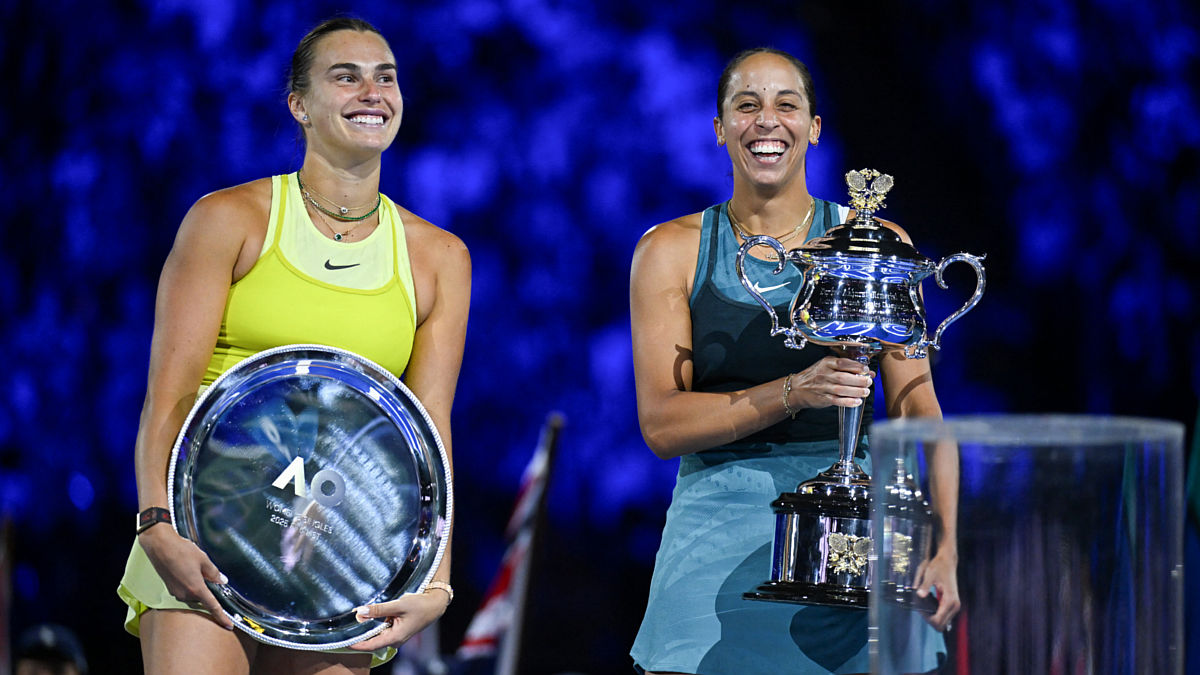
point(1069, 538)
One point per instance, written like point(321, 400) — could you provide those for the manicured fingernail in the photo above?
point(362, 613)
point(224, 580)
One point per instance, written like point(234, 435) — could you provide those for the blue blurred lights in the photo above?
point(23, 394)
point(1042, 245)
point(1060, 45)
point(1167, 116)
point(80, 489)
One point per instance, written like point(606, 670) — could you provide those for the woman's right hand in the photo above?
point(831, 381)
point(184, 568)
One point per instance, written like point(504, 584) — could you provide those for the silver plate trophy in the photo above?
point(316, 482)
point(861, 295)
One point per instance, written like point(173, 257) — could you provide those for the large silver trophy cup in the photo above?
point(316, 482)
point(861, 295)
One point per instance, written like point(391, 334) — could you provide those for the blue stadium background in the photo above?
point(1060, 138)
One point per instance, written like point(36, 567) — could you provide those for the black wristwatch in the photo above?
point(151, 517)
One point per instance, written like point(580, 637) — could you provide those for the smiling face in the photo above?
point(766, 121)
point(352, 101)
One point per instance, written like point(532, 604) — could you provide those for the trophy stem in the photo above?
point(850, 419)
point(849, 425)
point(846, 471)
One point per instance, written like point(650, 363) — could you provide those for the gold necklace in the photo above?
point(338, 236)
point(311, 194)
point(804, 222)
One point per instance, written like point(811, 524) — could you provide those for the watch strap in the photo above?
point(152, 516)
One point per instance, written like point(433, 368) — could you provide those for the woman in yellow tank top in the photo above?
point(319, 256)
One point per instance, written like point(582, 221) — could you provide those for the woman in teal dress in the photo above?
point(750, 418)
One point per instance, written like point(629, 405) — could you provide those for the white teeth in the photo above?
point(767, 147)
point(367, 119)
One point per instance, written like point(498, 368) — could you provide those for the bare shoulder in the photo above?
point(665, 257)
point(672, 240)
point(233, 206)
point(428, 242)
point(224, 220)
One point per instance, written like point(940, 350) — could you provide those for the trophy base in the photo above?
point(801, 593)
point(846, 597)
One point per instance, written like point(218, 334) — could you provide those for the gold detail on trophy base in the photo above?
point(848, 553)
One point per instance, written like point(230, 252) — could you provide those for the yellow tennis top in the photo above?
point(304, 288)
point(307, 288)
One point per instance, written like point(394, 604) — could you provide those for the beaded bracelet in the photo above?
point(787, 390)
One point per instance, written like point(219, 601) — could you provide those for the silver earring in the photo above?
point(304, 119)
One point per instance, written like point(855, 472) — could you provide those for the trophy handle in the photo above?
point(981, 282)
point(764, 240)
point(795, 338)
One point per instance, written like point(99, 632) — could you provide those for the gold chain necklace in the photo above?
point(338, 236)
point(802, 226)
point(310, 195)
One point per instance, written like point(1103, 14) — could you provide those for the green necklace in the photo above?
point(342, 210)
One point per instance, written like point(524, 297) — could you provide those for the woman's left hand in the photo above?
point(940, 575)
point(407, 616)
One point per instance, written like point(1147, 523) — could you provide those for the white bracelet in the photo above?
point(441, 585)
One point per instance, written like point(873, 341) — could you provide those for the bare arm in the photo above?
point(442, 275)
point(908, 392)
point(191, 299)
point(674, 419)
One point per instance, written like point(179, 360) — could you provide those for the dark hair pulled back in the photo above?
point(723, 83)
point(302, 59)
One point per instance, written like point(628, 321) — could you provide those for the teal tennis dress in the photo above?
point(717, 540)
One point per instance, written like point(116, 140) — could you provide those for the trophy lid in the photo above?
point(863, 235)
point(858, 239)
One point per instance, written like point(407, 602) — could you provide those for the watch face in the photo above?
point(316, 482)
